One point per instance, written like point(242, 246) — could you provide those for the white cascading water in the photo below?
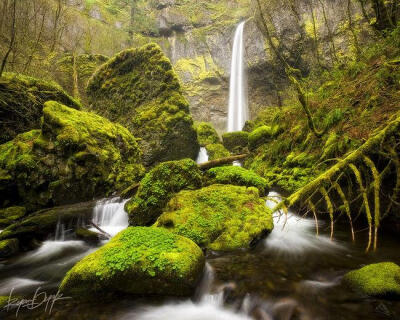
point(237, 112)
point(203, 156)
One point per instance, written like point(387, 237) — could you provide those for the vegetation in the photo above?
point(236, 142)
point(206, 134)
point(216, 151)
point(139, 260)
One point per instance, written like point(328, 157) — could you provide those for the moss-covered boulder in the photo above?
point(218, 217)
point(10, 215)
point(216, 151)
point(377, 280)
point(39, 225)
point(260, 136)
point(73, 72)
point(22, 100)
point(8, 248)
point(74, 157)
point(236, 142)
point(158, 186)
point(139, 89)
point(206, 134)
point(238, 176)
point(89, 236)
point(138, 260)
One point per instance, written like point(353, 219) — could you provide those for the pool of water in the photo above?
point(292, 274)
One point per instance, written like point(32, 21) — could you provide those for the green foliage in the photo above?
point(218, 217)
point(158, 186)
point(21, 103)
point(206, 134)
point(139, 89)
point(238, 176)
point(216, 151)
point(236, 142)
point(139, 260)
point(377, 280)
point(74, 157)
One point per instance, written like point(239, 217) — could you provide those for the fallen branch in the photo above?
point(221, 161)
point(101, 230)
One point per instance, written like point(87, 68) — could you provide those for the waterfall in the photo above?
point(237, 113)
point(203, 156)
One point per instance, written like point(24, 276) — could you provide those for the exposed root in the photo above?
point(346, 207)
point(314, 211)
point(329, 206)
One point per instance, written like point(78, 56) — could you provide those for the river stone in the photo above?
point(76, 156)
point(158, 186)
point(139, 89)
point(218, 217)
point(138, 260)
point(8, 248)
point(378, 280)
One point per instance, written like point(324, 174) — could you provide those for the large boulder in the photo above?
point(236, 142)
point(139, 89)
point(218, 217)
point(236, 176)
point(377, 280)
point(216, 151)
point(158, 186)
point(206, 134)
point(138, 260)
point(22, 100)
point(74, 157)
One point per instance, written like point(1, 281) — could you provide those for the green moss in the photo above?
point(88, 235)
point(22, 101)
point(74, 157)
point(139, 260)
point(262, 135)
point(10, 215)
point(139, 89)
point(158, 186)
point(8, 248)
point(216, 151)
point(206, 134)
point(378, 280)
point(4, 301)
point(236, 142)
point(218, 217)
point(238, 176)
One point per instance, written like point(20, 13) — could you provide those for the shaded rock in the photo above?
point(76, 156)
point(8, 248)
point(158, 186)
point(216, 151)
point(218, 217)
point(10, 215)
point(89, 236)
point(139, 89)
point(138, 260)
point(236, 142)
point(236, 176)
point(22, 101)
point(377, 280)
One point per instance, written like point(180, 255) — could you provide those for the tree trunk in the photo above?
point(221, 161)
point(10, 47)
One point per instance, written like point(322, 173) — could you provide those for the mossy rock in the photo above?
point(139, 89)
point(8, 248)
point(39, 225)
point(236, 142)
point(376, 280)
point(238, 176)
point(216, 151)
point(260, 136)
point(22, 101)
point(85, 64)
point(218, 217)
point(138, 260)
point(89, 236)
point(158, 186)
point(76, 156)
point(3, 301)
point(206, 134)
point(10, 215)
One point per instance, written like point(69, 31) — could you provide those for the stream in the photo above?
point(292, 274)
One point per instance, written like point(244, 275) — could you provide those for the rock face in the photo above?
point(74, 157)
point(139, 89)
point(22, 100)
point(139, 260)
point(158, 186)
point(218, 217)
point(377, 280)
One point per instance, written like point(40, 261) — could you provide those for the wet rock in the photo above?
point(139, 260)
point(10, 215)
point(89, 236)
point(8, 248)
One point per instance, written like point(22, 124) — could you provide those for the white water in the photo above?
point(110, 215)
point(294, 235)
point(203, 156)
point(237, 112)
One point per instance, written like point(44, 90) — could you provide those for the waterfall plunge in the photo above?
point(237, 113)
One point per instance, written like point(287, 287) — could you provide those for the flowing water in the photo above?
point(203, 156)
point(237, 112)
point(292, 274)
